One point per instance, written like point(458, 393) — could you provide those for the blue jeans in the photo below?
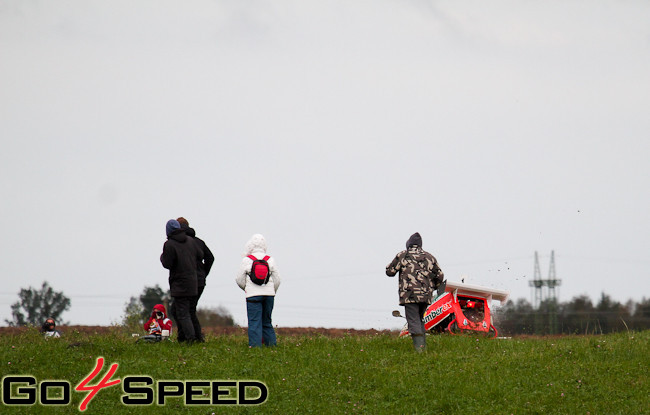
point(260, 327)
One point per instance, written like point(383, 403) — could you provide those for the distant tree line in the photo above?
point(34, 306)
point(578, 316)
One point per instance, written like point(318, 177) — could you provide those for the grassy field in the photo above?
point(354, 374)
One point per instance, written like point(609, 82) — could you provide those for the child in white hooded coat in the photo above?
point(259, 298)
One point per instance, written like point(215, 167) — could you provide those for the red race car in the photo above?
point(459, 308)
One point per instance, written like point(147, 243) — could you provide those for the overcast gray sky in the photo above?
point(336, 129)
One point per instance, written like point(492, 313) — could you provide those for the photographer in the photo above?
point(158, 321)
point(49, 328)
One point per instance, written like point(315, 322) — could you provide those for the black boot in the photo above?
point(419, 342)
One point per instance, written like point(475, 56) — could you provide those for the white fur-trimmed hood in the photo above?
point(257, 247)
point(257, 243)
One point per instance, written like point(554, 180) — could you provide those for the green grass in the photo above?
point(376, 374)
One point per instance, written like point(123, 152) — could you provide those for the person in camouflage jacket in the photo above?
point(419, 276)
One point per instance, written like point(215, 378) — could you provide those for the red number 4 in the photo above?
point(104, 383)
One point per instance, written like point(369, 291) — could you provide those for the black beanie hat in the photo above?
point(415, 239)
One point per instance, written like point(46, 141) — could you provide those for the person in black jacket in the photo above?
point(180, 256)
point(202, 270)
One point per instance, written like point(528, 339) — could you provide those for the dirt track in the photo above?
point(219, 331)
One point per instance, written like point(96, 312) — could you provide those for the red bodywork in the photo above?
point(461, 308)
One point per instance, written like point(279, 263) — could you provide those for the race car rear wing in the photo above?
point(458, 288)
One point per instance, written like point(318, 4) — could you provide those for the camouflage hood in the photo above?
point(414, 240)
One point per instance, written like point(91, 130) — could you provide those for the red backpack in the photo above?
point(260, 271)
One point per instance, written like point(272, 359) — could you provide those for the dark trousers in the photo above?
point(414, 313)
point(260, 327)
point(180, 311)
point(195, 320)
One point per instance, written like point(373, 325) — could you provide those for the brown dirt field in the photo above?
point(220, 331)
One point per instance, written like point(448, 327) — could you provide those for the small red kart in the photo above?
point(460, 308)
